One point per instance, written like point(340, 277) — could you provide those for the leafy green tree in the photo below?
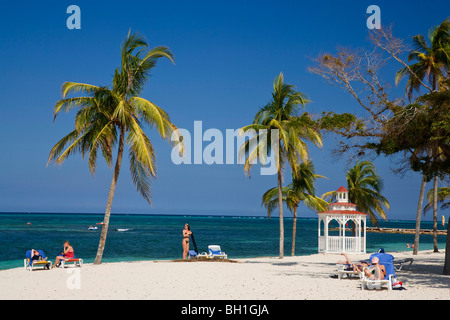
point(110, 117)
point(279, 122)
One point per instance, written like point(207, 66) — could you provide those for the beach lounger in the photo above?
point(191, 254)
point(203, 255)
point(76, 262)
point(36, 263)
point(386, 260)
point(375, 284)
point(216, 252)
point(345, 270)
point(398, 264)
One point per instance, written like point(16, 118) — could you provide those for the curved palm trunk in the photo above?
point(101, 244)
point(280, 208)
point(294, 231)
point(419, 214)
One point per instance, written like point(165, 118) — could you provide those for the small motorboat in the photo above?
point(92, 228)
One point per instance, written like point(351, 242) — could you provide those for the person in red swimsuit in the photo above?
point(67, 254)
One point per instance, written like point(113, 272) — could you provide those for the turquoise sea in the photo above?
point(158, 237)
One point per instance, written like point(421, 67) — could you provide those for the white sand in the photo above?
point(291, 278)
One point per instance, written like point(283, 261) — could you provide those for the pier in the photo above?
point(405, 231)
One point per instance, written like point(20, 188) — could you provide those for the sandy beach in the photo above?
point(291, 278)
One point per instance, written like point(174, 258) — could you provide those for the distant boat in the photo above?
point(92, 228)
point(122, 230)
point(99, 222)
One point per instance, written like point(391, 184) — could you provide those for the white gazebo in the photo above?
point(344, 240)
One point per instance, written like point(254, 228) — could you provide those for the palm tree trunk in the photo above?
point(294, 231)
point(435, 186)
point(101, 244)
point(419, 214)
point(280, 208)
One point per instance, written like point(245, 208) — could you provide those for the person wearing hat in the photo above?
point(375, 271)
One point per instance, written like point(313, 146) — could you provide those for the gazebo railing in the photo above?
point(339, 244)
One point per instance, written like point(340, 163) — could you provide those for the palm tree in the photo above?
point(442, 195)
point(110, 117)
point(432, 60)
point(279, 124)
point(432, 63)
point(301, 189)
point(364, 189)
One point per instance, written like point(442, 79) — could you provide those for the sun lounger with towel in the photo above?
point(216, 252)
point(30, 264)
point(386, 260)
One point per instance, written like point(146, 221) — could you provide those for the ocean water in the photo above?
point(158, 237)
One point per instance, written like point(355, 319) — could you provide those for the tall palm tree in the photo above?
point(364, 189)
point(301, 189)
point(441, 194)
point(112, 117)
point(432, 64)
point(280, 124)
point(432, 60)
point(443, 197)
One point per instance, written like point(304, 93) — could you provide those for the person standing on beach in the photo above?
point(185, 242)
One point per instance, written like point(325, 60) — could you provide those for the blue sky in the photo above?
point(227, 54)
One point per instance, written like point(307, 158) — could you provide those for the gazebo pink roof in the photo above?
point(342, 212)
point(339, 211)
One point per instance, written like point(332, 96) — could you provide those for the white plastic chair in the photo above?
point(375, 284)
point(216, 252)
point(76, 262)
point(349, 273)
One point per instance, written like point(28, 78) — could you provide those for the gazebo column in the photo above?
point(344, 248)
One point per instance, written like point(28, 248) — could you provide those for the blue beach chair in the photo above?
point(192, 254)
point(31, 265)
point(387, 260)
point(216, 252)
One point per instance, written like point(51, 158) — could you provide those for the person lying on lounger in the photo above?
point(352, 266)
point(36, 256)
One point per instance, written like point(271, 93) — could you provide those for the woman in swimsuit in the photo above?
point(67, 254)
point(185, 242)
